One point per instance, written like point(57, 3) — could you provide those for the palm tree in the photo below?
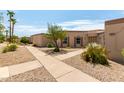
point(13, 23)
point(11, 15)
point(1, 33)
point(54, 35)
point(7, 34)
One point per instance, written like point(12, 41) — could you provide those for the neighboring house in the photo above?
point(73, 38)
point(114, 38)
point(39, 40)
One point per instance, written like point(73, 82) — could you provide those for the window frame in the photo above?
point(65, 41)
point(78, 40)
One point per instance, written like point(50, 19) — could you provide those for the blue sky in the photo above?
point(35, 21)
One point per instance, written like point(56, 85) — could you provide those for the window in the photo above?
point(78, 40)
point(92, 39)
point(65, 40)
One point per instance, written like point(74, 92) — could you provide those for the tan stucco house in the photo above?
point(73, 38)
point(114, 38)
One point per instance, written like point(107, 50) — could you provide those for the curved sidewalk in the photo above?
point(59, 70)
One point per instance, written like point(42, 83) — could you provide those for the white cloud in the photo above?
point(83, 24)
point(27, 30)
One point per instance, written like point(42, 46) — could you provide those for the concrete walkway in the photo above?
point(18, 68)
point(70, 54)
point(59, 70)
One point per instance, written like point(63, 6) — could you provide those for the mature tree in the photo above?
point(62, 35)
point(24, 40)
point(6, 33)
point(11, 15)
point(13, 24)
point(54, 33)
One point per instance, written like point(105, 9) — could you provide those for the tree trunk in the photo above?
point(6, 35)
point(57, 47)
point(10, 30)
point(61, 44)
point(68, 42)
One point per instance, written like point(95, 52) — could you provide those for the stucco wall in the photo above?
point(40, 40)
point(72, 36)
point(114, 40)
point(101, 39)
point(36, 39)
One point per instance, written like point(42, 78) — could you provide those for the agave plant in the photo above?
point(95, 54)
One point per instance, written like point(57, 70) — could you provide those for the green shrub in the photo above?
point(8, 48)
point(56, 50)
point(15, 39)
point(12, 47)
point(5, 49)
point(49, 45)
point(2, 38)
point(122, 52)
point(24, 40)
point(34, 45)
point(95, 54)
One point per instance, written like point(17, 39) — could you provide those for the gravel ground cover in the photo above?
point(19, 56)
point(49, 51)
point(36, 75)
point(115, 72)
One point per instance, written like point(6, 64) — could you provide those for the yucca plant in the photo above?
point(95, 54)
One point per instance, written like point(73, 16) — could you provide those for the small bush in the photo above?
point(56, 50)
point(50, 45)
point(9, 48)
point(34, 45)
point(24, 40)
point(122, 52)
point(12, 47)
point(95, 54)
point(2, 38)
point(15, 39)
point(5, 49)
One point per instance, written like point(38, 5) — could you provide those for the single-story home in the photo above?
point(112, 38)
point(72, 39)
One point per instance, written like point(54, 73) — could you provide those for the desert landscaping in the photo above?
point(21, 55)
point(112, 73)
point(59, 55)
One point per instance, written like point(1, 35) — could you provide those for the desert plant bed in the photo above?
point(113, 72)
point(36, 75)
point(50, 51)
point(15, 57)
